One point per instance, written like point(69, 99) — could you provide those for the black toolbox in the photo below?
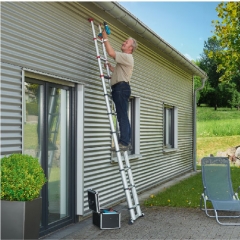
point(103, 218)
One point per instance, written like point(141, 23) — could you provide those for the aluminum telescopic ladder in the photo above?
point(126, 172)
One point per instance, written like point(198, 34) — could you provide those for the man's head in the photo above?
point(129, 46)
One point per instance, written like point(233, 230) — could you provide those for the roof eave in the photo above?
point(124, 16)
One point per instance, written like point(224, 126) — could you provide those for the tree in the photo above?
point(209, 65)
point(227, 31)
point(209, 95)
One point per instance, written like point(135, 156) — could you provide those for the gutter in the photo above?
point(124, 16)
point(195, 124)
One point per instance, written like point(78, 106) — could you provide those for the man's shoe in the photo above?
point(122, 147)
point(129, 147)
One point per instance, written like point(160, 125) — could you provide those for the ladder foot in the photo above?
point(142, 215)
point(130, 222)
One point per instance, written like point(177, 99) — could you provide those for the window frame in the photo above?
point(134, 118)
point(170, 137)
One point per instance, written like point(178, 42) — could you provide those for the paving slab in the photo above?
point(157, 223)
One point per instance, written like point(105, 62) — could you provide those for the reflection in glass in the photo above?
point(32, 113)
point(54, 142)
point(57, 154)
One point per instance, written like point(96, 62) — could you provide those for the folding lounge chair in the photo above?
point(218, 189)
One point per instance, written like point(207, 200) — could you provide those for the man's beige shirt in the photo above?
point(123, 69)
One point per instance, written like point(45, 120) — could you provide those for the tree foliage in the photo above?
point(216, 93)
point(227, 31)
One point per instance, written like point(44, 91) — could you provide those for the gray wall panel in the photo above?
point(56, 38)
point(11, 109)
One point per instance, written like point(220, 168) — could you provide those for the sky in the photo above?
point(184, 25)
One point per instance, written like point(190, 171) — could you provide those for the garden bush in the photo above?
point(22, 178)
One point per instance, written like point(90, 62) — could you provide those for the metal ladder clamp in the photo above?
point(130, 189)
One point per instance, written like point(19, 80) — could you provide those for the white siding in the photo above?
point(56, 38)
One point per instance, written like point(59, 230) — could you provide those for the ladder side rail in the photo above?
point(52, 102)
point(109, 82)
point(134, 191)
point(105, 54)
point(51, 105)
point(104, 88)
point(126, 186)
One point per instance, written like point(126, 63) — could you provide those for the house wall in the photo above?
point(56, 38)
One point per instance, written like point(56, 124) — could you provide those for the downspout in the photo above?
point(195, 124)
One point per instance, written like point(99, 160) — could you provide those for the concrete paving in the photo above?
point(157, 223)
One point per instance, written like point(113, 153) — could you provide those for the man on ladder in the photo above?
point(120, 84)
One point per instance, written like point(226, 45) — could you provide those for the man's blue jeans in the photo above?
point(120, 94)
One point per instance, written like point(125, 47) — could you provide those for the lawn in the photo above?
point(212, 145)
point(216, 131)
point(187, 193)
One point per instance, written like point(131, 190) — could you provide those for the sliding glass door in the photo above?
point(48, 135)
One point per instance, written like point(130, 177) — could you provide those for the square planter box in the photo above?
point(21, 220)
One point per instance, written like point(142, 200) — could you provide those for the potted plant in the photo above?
point(22, 179)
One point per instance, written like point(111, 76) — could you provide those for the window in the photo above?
point(170, 127)
point(134, 118)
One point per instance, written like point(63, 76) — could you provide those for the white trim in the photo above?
point(23, 108)
point(50, 77)
point(80, 150)
point(63, 153)
point(175, 127)
point(167, 150)
point(137, 125)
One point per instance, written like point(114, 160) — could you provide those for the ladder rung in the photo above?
point(107, 77)
point(111, 113)
point(130, 187)
point(134, 206)
point(104, 59)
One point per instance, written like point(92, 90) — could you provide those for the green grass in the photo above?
point(186, 193)
point(217, 131)
point(30, 136)
point(207, 113)
point(212, 145)
point(216, 128)
point(223, 122)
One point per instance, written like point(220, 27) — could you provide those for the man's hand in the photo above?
point(111, 68)
point(104, 34)
point(109, 48)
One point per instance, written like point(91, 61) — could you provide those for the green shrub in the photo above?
point(22, 178)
